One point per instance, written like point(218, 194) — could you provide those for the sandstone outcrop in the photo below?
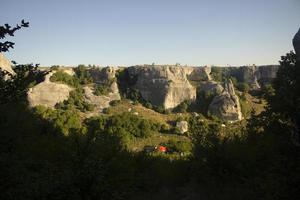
point(165, 86)
point(296, 44)
point(48, 93)
point(5, 64)
point(226, 106)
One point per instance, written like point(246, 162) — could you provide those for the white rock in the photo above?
point(182, 126)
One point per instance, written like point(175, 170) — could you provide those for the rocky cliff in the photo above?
point(255, 76)
point(226, 106)
point(165, 86)
point(101, 76)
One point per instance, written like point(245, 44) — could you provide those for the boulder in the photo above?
point(182, 126)
point(226, 106)
point(165, 86)
point(296, 44)
point(48, 93)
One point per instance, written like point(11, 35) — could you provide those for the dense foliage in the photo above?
point(76, 98)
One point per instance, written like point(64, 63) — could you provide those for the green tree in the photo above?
point(285, 100)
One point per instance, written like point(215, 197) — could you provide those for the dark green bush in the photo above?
point(115, 102)
point(129, 125)
point(243, 87)
point(83, 75)
point(65, 78)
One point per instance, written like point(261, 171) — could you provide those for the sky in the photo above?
point(130, 32)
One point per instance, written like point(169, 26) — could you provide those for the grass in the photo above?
point(144, 112)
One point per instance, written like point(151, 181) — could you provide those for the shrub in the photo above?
point(128, 126)
point(65, 78)
point(83, 74)
point(76, 100)
point(182, 107)
point(243, 87)
point(101, 89)
point(63, 120)
point(204, 98)
point(115, 102)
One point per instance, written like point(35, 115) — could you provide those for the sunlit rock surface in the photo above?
point(165, 86)
point(5, 64)
point(226, 106)
point(48, 93)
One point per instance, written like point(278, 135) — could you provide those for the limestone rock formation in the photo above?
point(255, 76)
point(166, 86)
point(296, 44)
point(48, 93)
point(200, 74)
point(102, 101)
point(100, 75)
point(226, 106)
point(5, 64)
point(182, 126)
point(214, 87)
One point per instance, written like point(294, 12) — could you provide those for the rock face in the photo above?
point(211, 86)
point(226, 106)
point(296, 44)
point(199, 74)
point(5, 64)
point(100, 75)
point(102, 101)
point(182, 126)
point(165, 86)
point(256, 76)
point(48, 93)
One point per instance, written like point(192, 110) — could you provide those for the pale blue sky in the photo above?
point(128, 32)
